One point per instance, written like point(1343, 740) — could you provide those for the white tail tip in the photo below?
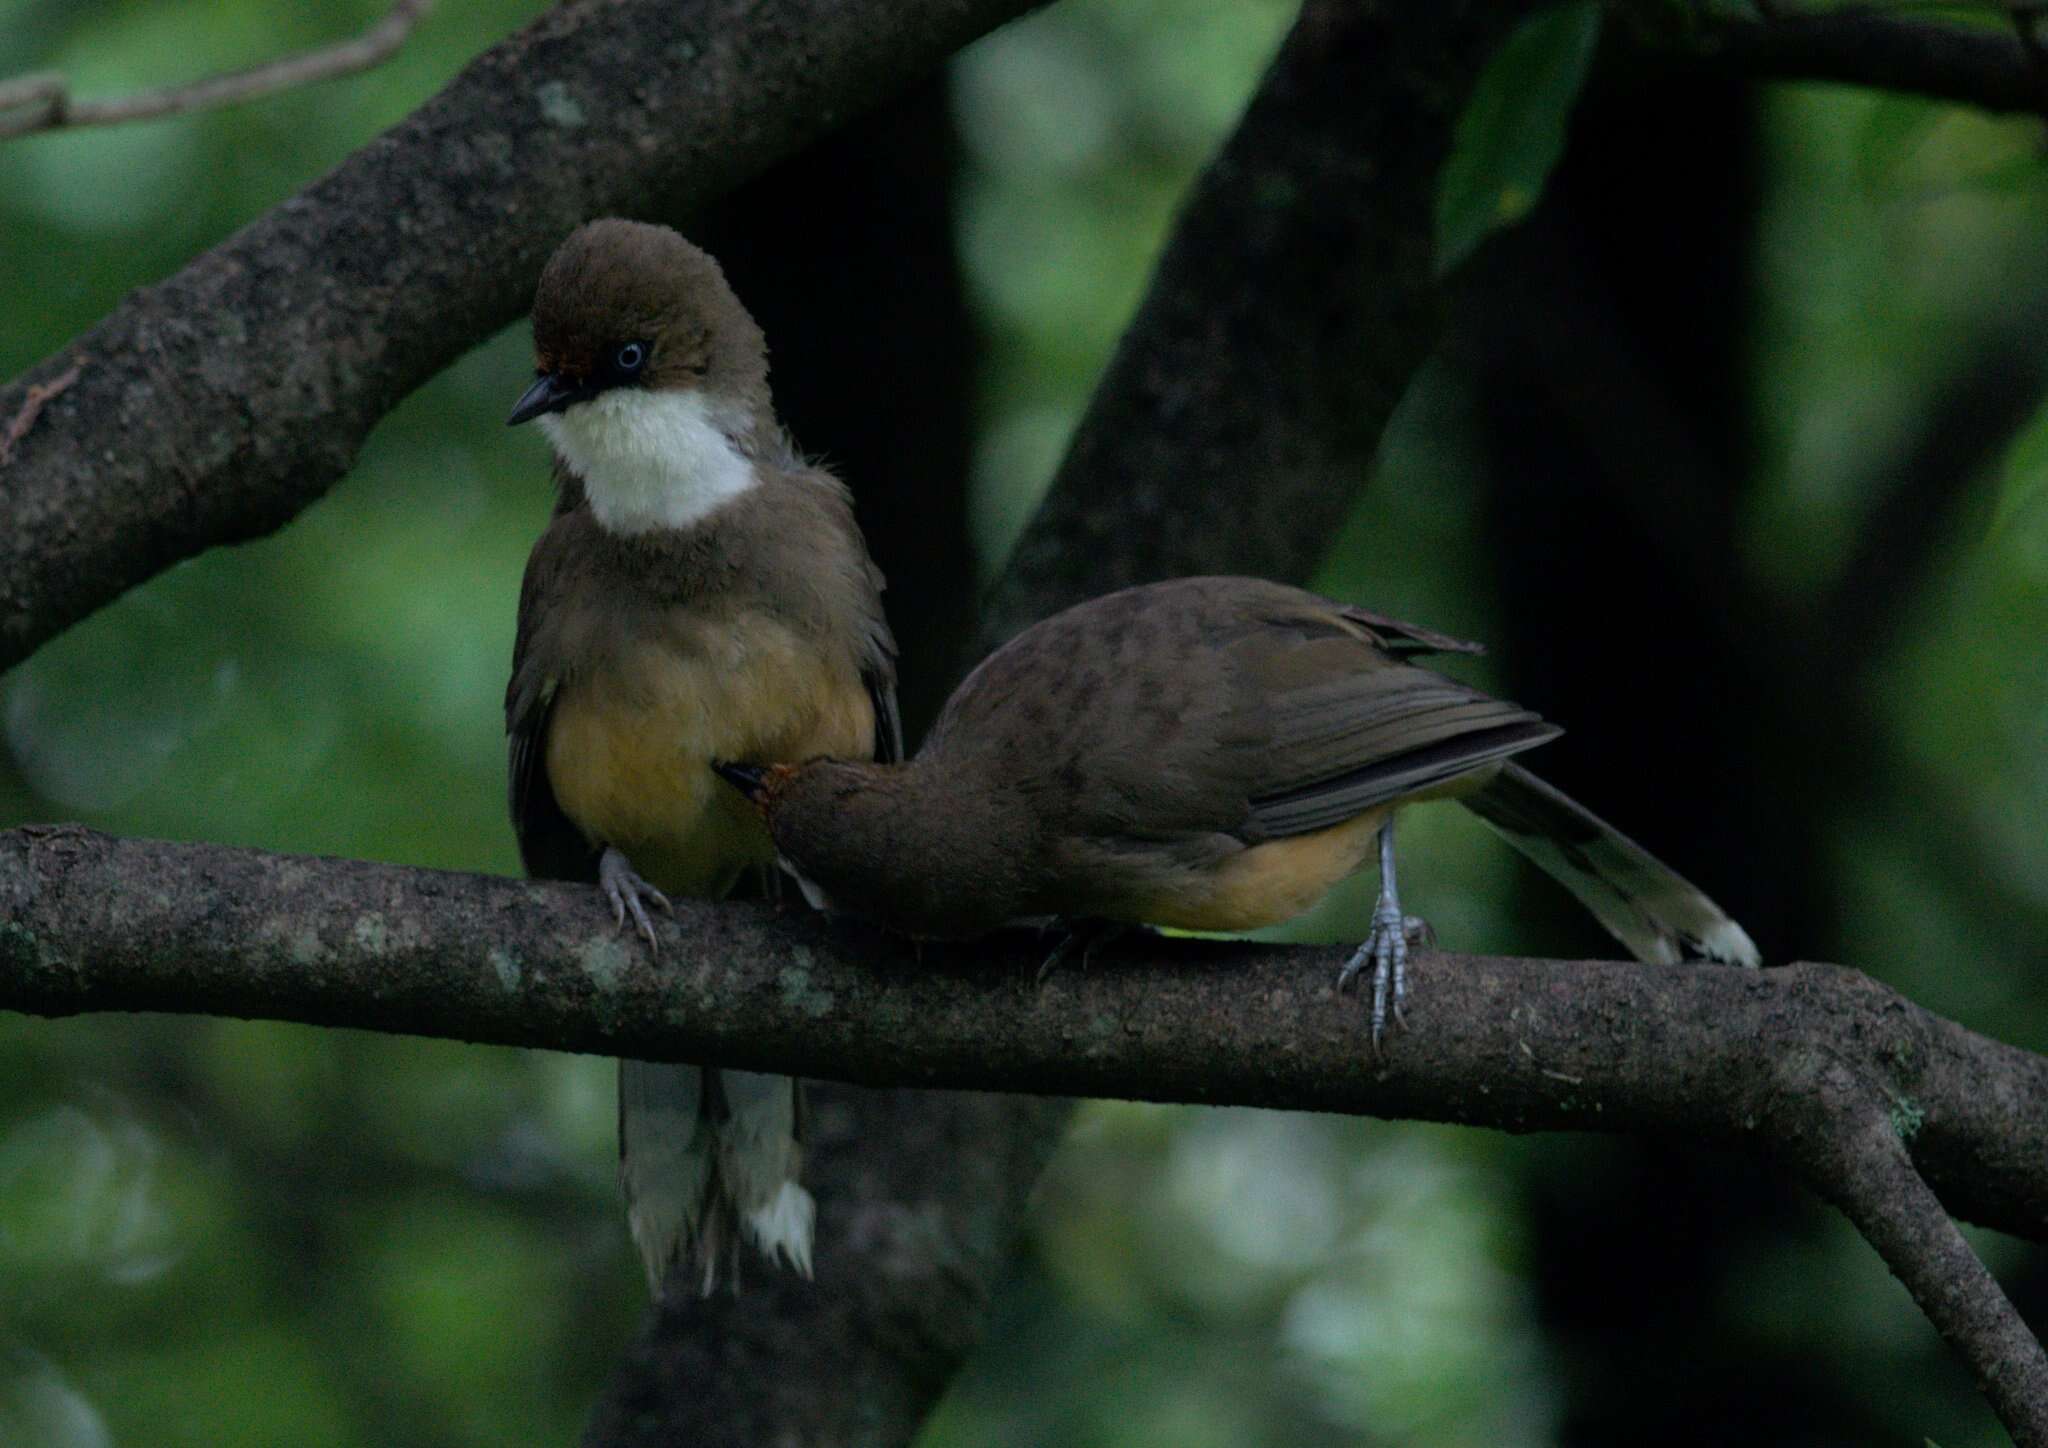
point(1730, 942)
point(783, 1228)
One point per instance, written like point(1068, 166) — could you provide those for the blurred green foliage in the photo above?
point(223, 1233)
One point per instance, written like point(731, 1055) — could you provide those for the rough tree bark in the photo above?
point(91, 922)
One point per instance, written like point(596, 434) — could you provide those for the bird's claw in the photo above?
point(625, 889)
point(1061, 949)
point(1087, 935)
point(1387, 948)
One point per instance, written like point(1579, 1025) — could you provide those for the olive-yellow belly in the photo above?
point(630, 746)
point(1279, 879)
point(1269, 882)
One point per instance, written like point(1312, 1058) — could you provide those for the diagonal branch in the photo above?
point(241, 387)
point(1290, 310)
point(44, 103)
point(1973, 415)
point(1989, 69)
point(1829, 1071)
point(1847, 1143)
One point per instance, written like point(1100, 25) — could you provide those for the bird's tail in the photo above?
point(708, 1159)
point(1653, 910)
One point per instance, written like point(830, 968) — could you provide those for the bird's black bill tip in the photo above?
point(551, 392)
point(750, 780)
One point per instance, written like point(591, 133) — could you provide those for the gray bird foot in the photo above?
point(625, 889)
point(1087, 935)
point(1386, 948)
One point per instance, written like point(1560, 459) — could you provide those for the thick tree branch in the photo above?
point(872, 369)
point(1822, 1067)
point(1284, 320)
point(43, 102)
point(90, 922)
point(241, 388)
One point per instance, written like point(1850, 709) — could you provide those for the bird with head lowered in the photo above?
point(701, 592)
point(1206, 754)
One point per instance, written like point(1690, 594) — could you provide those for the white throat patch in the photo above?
point(649, 459)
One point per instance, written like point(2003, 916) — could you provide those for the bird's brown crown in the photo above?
point(613, 283)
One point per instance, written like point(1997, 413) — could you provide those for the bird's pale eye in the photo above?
point(630, 358)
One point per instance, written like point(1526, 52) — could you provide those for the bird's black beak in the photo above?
point(551, 392)
point(750, 780)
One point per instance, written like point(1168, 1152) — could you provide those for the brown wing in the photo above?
point(1225, 706)
point(878, 672)
point(550, 846)
point(1351, 727)
point(857, 596)
point(1405, 640)
point(1379, 737)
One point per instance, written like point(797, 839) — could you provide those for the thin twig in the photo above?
point(39, 395)
point(42, 102)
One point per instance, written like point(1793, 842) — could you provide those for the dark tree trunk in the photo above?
point(1608, 341)
point(845, 256)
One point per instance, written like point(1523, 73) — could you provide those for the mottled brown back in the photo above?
point(1130, 744)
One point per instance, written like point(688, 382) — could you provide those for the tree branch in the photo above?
point(43, 102)
point(1827, 1070)
point(241, 388)
point(1852, 1150)
point(1290, 310)
point(872, 369)
point(90, 922)
point(1988, 69)
point(356, 314)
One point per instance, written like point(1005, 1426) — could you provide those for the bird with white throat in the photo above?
point(701, 592)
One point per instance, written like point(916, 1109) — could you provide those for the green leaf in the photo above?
point(2023, 480)
point(1513, 129)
